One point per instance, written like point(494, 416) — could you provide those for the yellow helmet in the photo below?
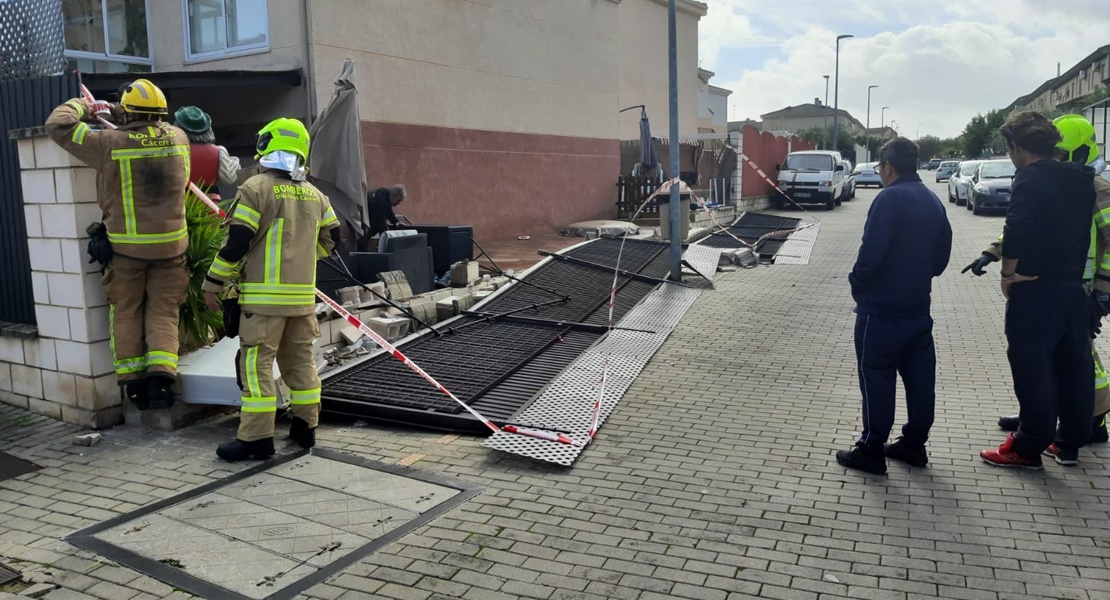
point(283, 134)
point(1077, 133)
point(142, 96)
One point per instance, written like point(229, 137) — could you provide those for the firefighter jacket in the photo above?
point(290, 222)
point(142, 173)
point(1097, 270)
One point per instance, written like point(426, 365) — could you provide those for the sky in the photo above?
point(937, 63)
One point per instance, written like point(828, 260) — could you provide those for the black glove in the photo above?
point(1094, 316)
point(979, 264)
point(99, 248)
point(1102, 299)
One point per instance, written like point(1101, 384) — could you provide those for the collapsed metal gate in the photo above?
point(497, 365)
point(751, 227)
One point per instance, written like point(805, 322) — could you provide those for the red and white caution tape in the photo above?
point(383, 343)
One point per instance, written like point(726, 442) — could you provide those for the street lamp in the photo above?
point(917, 134)
point(825, 121)
point(836, 92)
point(882, 122)
point(894, 127)
point(867, 133)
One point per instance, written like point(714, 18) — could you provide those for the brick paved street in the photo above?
point(713, 479)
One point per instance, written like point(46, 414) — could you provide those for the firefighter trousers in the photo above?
point(263, 339)
point(144, 300)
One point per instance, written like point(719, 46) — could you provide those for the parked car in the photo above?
point(945, 169)
point(849, 190)
point(960, 181)
point(932, 164)
point(812, 177)
point(865, 174)
point(990, 186)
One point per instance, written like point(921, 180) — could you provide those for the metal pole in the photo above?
point(836, 94)
point(825, 121)
point(676, 212)
point(867, 134)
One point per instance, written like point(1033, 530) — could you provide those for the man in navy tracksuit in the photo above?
point(906, 243)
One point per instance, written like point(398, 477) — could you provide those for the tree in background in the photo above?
point(846, 141)
point(981, 137)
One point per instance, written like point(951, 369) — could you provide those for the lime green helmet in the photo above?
point(1077, 138)
point(283, 134)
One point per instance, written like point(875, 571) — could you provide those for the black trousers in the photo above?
point(1050, 360)
point(887, 347)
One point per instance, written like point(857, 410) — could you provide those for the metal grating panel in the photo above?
point(7, 574)
point(796, 250)
point(750, 227)
point(32, 41)
point(567, 403)
point(703, 260)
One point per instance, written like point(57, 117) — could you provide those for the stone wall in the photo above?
point(66, 371)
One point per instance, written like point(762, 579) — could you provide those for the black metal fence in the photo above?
point(23, 103)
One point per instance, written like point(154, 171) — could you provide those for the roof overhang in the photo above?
point(168, 81)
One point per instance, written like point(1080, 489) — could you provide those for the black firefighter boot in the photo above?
point(237, 449)
point(158, 391)
point(300, 432)
point(135, 391)
point(1098, 430)
point(1009, 423)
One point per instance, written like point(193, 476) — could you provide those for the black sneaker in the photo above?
point(237, 450)
point(902, 451)
point(300, 432)
point(863, 460)
point(1009, 423)
point(1098, 430)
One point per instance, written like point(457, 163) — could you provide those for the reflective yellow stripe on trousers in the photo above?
point(122, 366)
point(304, 396)
point(253, 400)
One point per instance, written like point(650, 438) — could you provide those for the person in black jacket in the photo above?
point(379, 206)
point(907, 241)
point(1044, 251)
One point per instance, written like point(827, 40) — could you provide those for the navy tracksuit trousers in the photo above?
point(1049, 347)
point(887, 347)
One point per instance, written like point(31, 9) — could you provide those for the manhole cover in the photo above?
point(275, 530)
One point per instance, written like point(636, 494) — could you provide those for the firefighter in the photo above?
point(211, 165)
point(279, 225)
point(1077, 145)
point(143, 170)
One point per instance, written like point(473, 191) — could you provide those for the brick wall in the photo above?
point(66, 371)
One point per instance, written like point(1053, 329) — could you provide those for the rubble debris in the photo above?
point(89, 439)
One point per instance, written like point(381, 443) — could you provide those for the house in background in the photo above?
point(793, 119)
point(712, 105)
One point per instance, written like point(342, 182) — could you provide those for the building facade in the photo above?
point(793, 119)
point(1070, 87)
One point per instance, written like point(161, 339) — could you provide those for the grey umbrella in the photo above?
point(335, 162)
point(649, 160)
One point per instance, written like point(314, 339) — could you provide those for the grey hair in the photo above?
point(398, 191)
point(199, 138)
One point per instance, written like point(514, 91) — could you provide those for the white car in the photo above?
point(960, 181)
point(812, 177)
point(865, 174)
point(945, 170)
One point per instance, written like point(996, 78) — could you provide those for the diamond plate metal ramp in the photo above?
point(703, 260)
point(797, 248)
point(277, 529)
point(567, 403)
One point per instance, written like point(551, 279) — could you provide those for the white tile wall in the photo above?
point(27, 381)
point(34, 220)
point(97, 319)
point(49, 155)
point(102, 358)
point(60, 220)
point(43, 407)
point(75, 357)
point(41, 353)
point(53, 321)
point(66, 289)
point(38, 187)
point(74, 257)
point(5, 377)
point(107, 391)
point(59, 387)
point(11, 350)
point(26, 154)
point(87, 214)
point(13, 399)
point(46, 255)
point(84, 185)
point(94, 290)
point(39, 282)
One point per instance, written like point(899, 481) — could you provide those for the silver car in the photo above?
point(865, 174)
point(946, 169)
point(960, 182)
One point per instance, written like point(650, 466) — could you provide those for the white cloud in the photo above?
point(936, 66)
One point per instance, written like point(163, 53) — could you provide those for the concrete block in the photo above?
point(81, 417)
point(41, 353)
point(102, 361)
point(97, 393)
point(33, 216)
point(26, 149)
point(94, 290)
point(89, 439)
point(75, 259)
point(60, 221)
point(351, 334)
point(67, 289)
point(464, 273)
point(27, 381)
point(38, 187)
point(88, 325)
point(75, 186)
point(53, 321)
point(11, 350)
point(438, 295)
point(50, 155)
point(390, 328)
point(447, 308)
point(40, 285)
point(365, 296)
point(44, 407)
point(46, 255)
point(74, 357)
point(348, 296)
point(5, 377)
point(14, 399)
point(59, 387)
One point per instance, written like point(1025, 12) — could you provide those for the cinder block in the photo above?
point(41, 353)
point(53, 321)
point(26, 148)
point(74, 258)
point(74, 357)
point(59, 387)
point(49, 155)
point(94, 290)
point(66, 289)
point(46, 255)
point(108, 392)
point(88, 325)
point(33, 216)
point(11, 350)
point(84, 392)
point(390, 328)
point(60, 221)
point(40, 285)
point(463, 273)
point(101, 358)
point(5, 377)
point(75, 186)
point(86, 214)
point(27, 381)
point(38, 187)
point(81, 417)
point(13, 399)
point(44, 407)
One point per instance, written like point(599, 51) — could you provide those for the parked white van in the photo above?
point(812, 177)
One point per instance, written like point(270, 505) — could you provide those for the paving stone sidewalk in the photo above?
point(714, 479)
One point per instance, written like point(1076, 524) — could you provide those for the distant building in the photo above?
point(712, 105)
point(807, 116)
point(1065, 89)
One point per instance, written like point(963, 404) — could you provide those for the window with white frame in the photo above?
point(220, 27)
point(106, 30)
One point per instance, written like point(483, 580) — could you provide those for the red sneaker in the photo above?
point(1006, 457)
